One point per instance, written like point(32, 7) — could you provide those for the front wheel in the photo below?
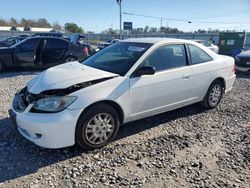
point(214, 95)
point(97, 126)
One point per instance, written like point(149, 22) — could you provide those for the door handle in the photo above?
point(185, 76)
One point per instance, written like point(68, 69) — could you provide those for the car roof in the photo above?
point(154, 40)
point(47, 33)
point(198, 40)
point(48, 37)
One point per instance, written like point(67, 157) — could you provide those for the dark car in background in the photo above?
point(11, 41)
point(209, 45)
point(48, 34)
point(39, 52)
point(102, 45)
point(13, 29)
point(107, 43)
point(27, 28)
point(242, 61)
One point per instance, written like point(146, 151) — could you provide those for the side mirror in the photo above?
point(144, 70)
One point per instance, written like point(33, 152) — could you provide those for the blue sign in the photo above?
point(127, 25)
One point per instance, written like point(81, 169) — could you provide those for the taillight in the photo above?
point(86, 51)
point(234, 68)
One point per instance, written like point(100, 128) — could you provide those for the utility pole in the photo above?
point(161, 23)
point(120, 7)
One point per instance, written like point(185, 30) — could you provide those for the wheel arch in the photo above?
point(111, 103)
point(205, 102)
point(68, 56)
point(222, 80)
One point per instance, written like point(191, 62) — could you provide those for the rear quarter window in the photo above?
point(197, 55)
point(57, 44)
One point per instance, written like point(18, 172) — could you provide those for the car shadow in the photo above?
point(19, 73)
point(156, 120)
point(19, 157)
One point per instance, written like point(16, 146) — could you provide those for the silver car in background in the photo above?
point(208, 44)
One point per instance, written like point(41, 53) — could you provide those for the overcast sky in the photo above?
point(97, 15)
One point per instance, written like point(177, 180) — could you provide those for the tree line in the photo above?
point(163, 30)
point(41, 22)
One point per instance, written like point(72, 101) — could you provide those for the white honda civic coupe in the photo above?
point(86, 102)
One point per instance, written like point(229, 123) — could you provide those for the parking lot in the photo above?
point(188, 147)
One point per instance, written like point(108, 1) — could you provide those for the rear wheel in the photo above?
point(213, 95)
point(97, 126)
point(70, 59)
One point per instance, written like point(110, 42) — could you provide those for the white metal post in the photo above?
point(120, 7)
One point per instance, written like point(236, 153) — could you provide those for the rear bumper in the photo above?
point(229, 83)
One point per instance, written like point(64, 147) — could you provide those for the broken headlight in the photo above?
point(53, 104)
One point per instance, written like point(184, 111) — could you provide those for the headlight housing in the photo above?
point(53, 104)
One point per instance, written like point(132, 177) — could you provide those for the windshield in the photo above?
point(117, 58)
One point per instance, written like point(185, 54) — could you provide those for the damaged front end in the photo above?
point(50, 101)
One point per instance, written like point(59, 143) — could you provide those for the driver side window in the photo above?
point(30, 45)
point(167, 57)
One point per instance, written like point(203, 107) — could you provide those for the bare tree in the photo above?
point(13, 22)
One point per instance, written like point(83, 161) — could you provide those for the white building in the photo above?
point(34, 29)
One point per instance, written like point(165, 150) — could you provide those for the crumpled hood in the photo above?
point(65, 75)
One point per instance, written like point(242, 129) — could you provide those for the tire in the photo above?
point(90, 131)
point(213, 95)
point(70, 59)
point(2, 66)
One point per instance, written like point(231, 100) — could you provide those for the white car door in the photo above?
point(170, 87)
point(203, 67)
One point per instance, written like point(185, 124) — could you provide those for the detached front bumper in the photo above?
point(48, 130)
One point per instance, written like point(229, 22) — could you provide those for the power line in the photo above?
point(144, 23)
point(142, 15)
point(222, 15)
point(182, 20)
point(202, 6)
point(211, 22)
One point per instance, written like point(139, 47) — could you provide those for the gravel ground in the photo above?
point(189, 147)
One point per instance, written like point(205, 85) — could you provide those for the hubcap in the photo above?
point(70, 60)
point(100, 128)
point(215, 95)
